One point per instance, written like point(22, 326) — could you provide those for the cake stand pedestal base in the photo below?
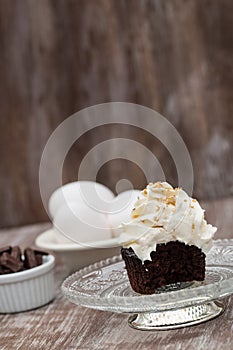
point(177, 318)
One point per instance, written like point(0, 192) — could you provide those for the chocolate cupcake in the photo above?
point(167, 239)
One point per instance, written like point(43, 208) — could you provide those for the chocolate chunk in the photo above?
point(30, 258)
point(11, 259)
point(4, 270)
point(5, 249)
point(11, 263)
point(39, 259)
point(16, 253)
point(39, 256)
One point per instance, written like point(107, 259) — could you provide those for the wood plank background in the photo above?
point(57, 57)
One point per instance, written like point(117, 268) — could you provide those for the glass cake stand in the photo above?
point(105, 286)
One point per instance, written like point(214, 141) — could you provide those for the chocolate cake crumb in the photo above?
point(172, 262)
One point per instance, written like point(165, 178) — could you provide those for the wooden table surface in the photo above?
point(63, 325)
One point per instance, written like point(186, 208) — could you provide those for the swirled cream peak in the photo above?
point(163, 214)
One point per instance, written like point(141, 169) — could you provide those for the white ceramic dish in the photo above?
point(86, 211)
point(80, 192)
point(75, 256)
point(27, 289)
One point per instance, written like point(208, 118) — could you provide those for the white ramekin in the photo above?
point(28, 289)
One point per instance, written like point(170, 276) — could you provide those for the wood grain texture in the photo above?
point(63, 325)
point(57, 57)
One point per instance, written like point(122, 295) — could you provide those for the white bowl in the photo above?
point(29, 289)
point(73, 255)
point(85, 193)
point(86, 211)
point(81, 223)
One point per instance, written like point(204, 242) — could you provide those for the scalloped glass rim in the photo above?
point(162, 301)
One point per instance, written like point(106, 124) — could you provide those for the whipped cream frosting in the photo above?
point(163, 214)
